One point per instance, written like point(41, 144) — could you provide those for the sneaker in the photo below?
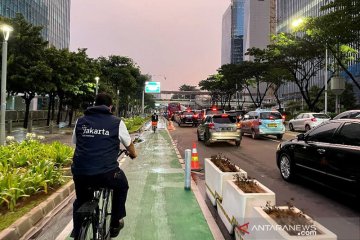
point(114, 230)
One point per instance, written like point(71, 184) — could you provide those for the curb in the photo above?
point(214, 228)
point(21, 226)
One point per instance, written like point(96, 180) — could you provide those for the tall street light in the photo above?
point(6, 29)
point(97, 85)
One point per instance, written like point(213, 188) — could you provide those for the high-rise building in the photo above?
point(53, 15)
point(233, 33)
point(287, 12)
point(246, 24)
point(256, 25)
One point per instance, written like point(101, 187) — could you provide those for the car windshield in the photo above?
point(222, 119)
point(320, 115)
point(270, 115)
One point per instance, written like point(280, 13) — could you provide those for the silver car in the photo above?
point(306, 121)
point(219, 128)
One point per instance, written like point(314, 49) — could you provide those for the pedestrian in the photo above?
point(97, 136)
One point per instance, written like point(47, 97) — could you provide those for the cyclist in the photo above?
point(97, 136)
point(154, 120)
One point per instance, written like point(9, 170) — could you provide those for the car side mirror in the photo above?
point(301, 137)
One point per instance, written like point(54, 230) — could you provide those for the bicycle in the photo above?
point(154, 126)
point(96, 214)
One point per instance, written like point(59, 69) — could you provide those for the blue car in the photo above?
point(263, 122)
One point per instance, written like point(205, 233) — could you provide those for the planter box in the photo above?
point(237, 205)
point(262, 226)
point(215, 178)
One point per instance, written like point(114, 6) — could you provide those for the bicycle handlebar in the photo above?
point(121, 151)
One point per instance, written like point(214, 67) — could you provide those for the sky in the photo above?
point(176, 41)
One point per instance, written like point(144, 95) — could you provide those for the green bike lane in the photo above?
point(158, 206)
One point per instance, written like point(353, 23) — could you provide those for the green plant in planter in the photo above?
point(29, 167)
point(289, 217)
point(62, 154)
point(224, 163)
point(247, 185)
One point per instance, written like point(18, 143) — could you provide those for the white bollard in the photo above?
point(187, 169)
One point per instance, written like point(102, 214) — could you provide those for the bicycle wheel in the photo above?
point(105, 207)
point(87, 231)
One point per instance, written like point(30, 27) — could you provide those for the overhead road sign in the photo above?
point(152, 87)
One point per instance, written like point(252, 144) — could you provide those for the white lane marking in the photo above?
point(66, 232)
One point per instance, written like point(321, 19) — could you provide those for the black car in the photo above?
point(239, 114)
point(188, 117)
point(328, 154)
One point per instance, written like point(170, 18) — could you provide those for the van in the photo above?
point(262, 122)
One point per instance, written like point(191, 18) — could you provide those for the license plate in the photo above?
point(272, 125)
point(226, 129)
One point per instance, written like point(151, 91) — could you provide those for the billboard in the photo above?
point(152, 87)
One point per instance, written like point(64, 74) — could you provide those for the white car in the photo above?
point(306, 121)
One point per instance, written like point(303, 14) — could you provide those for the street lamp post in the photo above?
point(325, 80)
point(97, 85)
point(6, 31)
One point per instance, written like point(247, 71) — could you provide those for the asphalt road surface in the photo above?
point(339, 213)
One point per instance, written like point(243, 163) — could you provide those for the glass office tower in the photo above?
point(233, 33)
point(289, 10)
point(53, 15)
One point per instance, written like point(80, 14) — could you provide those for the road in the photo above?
point(338, 213)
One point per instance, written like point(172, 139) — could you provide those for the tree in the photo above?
point(212, 84)
point(79, 86)
point(122, 75)
point(275, 73)
point(28, 73)
point(302, 58)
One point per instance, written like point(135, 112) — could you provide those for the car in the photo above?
point(263, 122)
point(327, 154)
point(348, 114)
point(211, 111)
point(239, 114)
point(187, 117)
point(219, 128)
point(306, 121)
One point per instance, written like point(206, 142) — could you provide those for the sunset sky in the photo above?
point(179, 40)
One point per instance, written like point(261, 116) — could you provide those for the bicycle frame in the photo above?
point(97, 213)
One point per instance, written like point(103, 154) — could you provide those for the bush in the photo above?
point(133, 122)
point(29, 167)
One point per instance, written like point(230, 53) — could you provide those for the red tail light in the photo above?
point(196, 116)
point(224, 115)
point(238, 125)
point(313, 119)
point(211, 125)
point(214, 109)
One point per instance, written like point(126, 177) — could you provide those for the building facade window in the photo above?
point(54, 16)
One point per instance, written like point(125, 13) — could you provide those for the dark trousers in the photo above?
point(115, 180)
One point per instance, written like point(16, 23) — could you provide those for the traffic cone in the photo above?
point(195, 166)
point(170, 126)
